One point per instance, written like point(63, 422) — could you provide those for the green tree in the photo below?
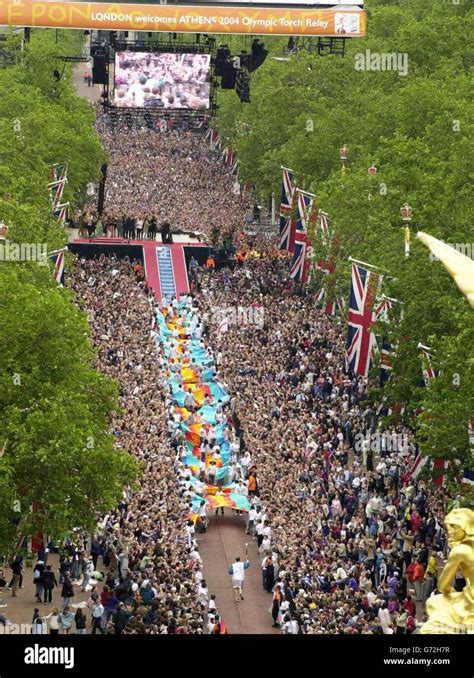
point(58, 466)
point(54, 410)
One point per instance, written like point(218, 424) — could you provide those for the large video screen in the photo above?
point(162, 80)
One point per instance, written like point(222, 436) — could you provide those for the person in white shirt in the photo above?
point(212, 607)
point(245, 462)
point(190, 532)
point(385, 619)
point(341, 577)
point(250, 520)
point(290, 626)
point(237, 570)
point(203, 593)
point(265, 545)
point(210, 623)
point(195, 555)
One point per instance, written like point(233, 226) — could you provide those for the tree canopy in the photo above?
point(58, 465)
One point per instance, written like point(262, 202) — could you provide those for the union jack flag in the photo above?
point(213, 136)
point(59, 176)
point(325, 266)
point(235, 168)
point(57, 186)
point(58, 172)
point(383, 313)
point(299, 264)
point(334, 305)
point(58, 269)
point(386, 354)
point(439, 468)
point(360, 340)
point(416, 468)
point(468, 476)
point(287, 224)
point(228, 156)
point(300, 261)
point(382, 308)
point(428, 372)
point(323, 223)
point(306, 211)
point(60, 211)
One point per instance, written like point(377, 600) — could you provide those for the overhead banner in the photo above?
point(183, 19)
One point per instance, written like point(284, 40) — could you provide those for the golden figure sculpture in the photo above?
point(452, 611)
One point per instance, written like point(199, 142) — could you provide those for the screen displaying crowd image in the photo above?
point(162, 80)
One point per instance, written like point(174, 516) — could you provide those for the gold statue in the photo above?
point(459, 267)
point(452, 611)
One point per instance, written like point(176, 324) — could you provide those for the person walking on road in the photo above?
point(49, 582)
point(268, 572)
point(17, 569)
point(67, 591)
point(237, 570)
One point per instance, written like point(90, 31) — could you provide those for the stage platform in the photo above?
point(166, 265)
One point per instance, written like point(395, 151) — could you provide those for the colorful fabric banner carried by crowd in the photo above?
point(198, 401)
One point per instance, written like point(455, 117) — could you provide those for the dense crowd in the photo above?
point(355, 540)
point(154, 572)
point(349, 541)
point(173, 177)
point(348, 544)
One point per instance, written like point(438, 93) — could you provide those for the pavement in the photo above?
point(224, 541)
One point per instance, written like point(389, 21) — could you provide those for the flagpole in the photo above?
point(51, 254)
point(426, 348)
point(364, 263)
point(312, 195)
point(396, 301)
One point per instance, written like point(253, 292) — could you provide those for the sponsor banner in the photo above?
point(183, 19)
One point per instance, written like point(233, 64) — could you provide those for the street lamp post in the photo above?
point(372, 171)
point(406, 211)
point(343, 154)
point(3, 230)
